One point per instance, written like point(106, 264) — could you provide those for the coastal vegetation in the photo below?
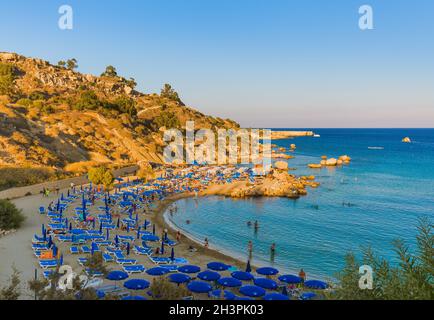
point(10, 216)
point(101, 176)
point(55, 118)
point(411, 279)
point(162, 289)
point(12, 290)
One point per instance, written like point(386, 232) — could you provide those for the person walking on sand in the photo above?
point(302, 275)
point(206, 245)
point(178, 236)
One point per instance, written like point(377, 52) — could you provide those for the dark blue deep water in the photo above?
point(374, 200)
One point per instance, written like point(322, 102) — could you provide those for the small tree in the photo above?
point(61, 63)
point(169, 93)
point(12, 291)
point(110, 71)
point(131, 83)
point(10, 216)
point(95, 262)
point(71, 64)
point(101, 175)
point(107, 180)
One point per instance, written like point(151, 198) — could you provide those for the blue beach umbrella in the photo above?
point(267, 271)
point(189, 269)
point(153, 229)
point(229, 282)
point(133, 298)
point(136, 284)
point(172, 254)
point(217, 266)
point(61, 260)
point(307, 296)
point(70, 226)
point(285, 291)
point(100, 227)
point(179, 278)
point(162, 247)
point(248, 267)
point(107, 234)
point(316, 284)
point(243, 298)
point(290, 279)
point(117, 275)
point(128, 227)
point(116, 240)
point(241, 275)
point(222, 294)
point(252, 291)
point(199, 287)
point(265, 283)
point(93, 224)
point(128, 248)
point(275, 296)
point(118, 223)
point(157, 271)
point(209, 275)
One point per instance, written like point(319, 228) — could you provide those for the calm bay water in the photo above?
point(374, 200)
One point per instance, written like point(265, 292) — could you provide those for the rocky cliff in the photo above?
point(52, 116)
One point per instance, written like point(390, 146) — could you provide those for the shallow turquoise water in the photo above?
point(388, 191)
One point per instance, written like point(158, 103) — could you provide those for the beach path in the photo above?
point(15, 248)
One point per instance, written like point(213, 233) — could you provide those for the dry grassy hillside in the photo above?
point(54, 117)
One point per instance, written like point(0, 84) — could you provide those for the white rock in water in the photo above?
point(281, 165)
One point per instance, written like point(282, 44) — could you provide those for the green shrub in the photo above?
point(411, 279)
point(101, 175)
point(7, 77)
point(10, 216)
point(166, 119)
point(88, 100)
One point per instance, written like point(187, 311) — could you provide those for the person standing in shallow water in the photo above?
point(302, 275)
point(250, 249)
point(272, 252)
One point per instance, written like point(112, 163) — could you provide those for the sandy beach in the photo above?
point(15, 249)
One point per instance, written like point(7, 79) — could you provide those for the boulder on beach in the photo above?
point(331, 162)
point(281, 165)
point(406, 140)
point(345, 158)
point(314, 165)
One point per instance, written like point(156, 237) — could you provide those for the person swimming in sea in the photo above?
point(249, 223)
point(256, 225)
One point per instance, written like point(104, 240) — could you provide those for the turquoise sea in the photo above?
point(374, 200)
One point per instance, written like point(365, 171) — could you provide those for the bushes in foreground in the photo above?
point(10, 216)
point(411, 279)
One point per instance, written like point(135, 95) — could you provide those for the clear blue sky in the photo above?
point(264, 63)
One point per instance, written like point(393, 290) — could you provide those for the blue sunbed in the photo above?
point(134, 269)
point(74, 250)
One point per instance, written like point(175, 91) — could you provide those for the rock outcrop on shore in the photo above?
point(330, 162)
point(278, 135)
point(406, 140)
point(279, 183)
